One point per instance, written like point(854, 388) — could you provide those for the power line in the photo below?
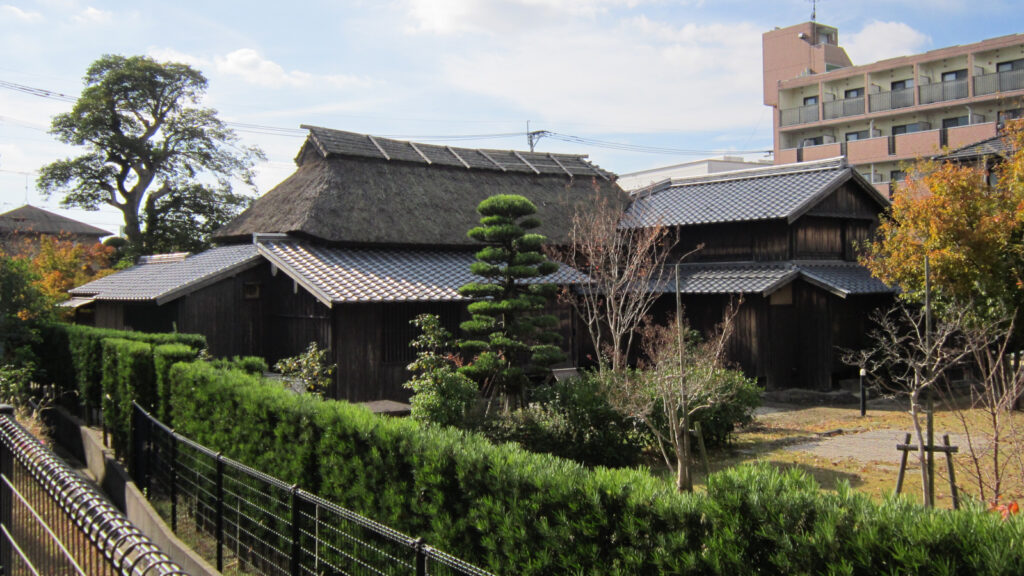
point(296, 132)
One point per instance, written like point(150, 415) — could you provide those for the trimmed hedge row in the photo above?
point(73, 355)
point(517, 512)
point(127, 374)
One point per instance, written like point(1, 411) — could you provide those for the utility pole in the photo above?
point(532, 137)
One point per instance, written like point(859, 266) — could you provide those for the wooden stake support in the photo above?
point(906, 447)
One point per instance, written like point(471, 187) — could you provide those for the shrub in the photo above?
point(572, 419)
point(311, 367)
point(15, 384)
point(165, 356)
point(441, 394)
point(721, 419)
point(127, 376)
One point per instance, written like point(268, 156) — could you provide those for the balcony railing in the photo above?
point(842, 108)
point(891, 100)
point(943, 91)
point(799, 115)
point(999, 82)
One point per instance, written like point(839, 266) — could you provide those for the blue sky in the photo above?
point(683, 74)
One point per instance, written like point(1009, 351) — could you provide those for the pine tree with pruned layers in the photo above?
point(510, 336)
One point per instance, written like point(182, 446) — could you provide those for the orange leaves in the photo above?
point(63, 264)
point(1005, 510)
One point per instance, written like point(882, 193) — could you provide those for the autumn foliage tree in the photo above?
point(970, 226)
point(62, 264)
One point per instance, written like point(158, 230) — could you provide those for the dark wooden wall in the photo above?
point(831, 230)
point(791, 340)
point(230, 313)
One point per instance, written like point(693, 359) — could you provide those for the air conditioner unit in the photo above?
point(828, 139)
point(875, 133)
point(921, 80)
point(977, 118)
point(922, 126)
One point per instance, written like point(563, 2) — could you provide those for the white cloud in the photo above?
point(445, 17)
point(640, 75)
point(247, 64)
point(880, 40)
point(94, 16)
point(19, 14)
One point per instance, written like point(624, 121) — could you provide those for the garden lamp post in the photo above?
point(863, 398)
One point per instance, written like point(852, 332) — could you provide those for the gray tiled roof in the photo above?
point(777, 192)
point(342, 143)
point(840, 278)
point(31, 219)
point(994, 146)
point(380, 275)
point(164, 279)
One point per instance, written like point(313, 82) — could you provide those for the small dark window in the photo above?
point(251, 290)
point(901, 129)
point(897, 176)
point(1010, 65)
point(1013, 114)
point(954, 75)
point(954, 122)
point(858, 135)
point(854, 93)
point(809, 100)
point(902, 85)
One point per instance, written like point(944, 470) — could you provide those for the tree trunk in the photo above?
point(915, 414)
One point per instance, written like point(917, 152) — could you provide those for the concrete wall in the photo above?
point(86, 445)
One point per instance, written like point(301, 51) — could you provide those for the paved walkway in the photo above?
point(867, 446)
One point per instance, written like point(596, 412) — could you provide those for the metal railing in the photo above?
point(999, 82)
point(844, 107)
point(890, 100)
point(253, 523)
point(799, 115)
point(52, 522)
point(943, 91)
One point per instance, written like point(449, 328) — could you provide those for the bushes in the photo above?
point(127, 375)
point(517, 512)
point(165, 356)
point(721, 419)
point(574, 420)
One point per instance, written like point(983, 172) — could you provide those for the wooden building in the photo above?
point(366, 234)
point(21, 228)
point(785, 239)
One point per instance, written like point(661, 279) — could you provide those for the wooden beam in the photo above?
point(420, 152)
point(560, 165)
point(493, 161)
point(459, 158)
point(381, 150)
point(525, 161)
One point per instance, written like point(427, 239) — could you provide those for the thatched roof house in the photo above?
point(359, 189)
point(365, 235)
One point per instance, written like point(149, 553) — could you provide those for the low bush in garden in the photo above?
point(572, 419)
point(517, 512)
point(721, 419)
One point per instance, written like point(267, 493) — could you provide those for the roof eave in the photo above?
point(205, 281)
point(296, 277)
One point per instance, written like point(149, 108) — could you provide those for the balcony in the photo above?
point(799, 115)
point(890, 100)
point(868, 150)
point(943, 91)
point(999, 82)
point(843, 108)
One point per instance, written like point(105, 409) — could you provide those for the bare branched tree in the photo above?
point(683, 374)
point(913, 363)
point(626, 265)
point(985, 409)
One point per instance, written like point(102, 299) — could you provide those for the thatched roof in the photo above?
point(360, 190)
point(31, 220)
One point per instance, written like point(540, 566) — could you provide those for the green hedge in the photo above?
point(127, 375)
point(75, 353)
point(516, 512)
point(165, 356)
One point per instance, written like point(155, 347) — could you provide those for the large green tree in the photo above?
point(510, 335)
point(149, 148)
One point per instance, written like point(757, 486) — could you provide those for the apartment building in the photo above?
point(883, 114)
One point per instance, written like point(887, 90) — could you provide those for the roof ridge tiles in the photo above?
point(837, 163)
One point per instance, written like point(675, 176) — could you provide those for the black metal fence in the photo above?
point(247, 522)
point(52, 522)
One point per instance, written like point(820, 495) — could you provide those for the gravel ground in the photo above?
point(868, 446)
